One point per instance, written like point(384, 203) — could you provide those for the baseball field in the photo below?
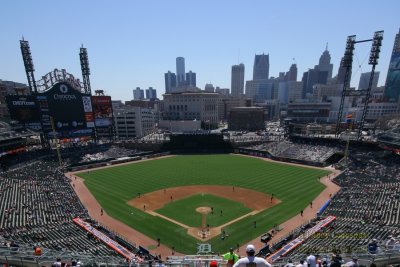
point(224, 200)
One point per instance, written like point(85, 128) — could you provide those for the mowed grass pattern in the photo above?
point(114, 187)
point(184, 210)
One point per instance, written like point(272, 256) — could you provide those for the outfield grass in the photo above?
point(184, 210)
point(114, 187)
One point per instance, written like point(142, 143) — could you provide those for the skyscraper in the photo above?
point(291, 75)
point(325, 63)
point(170, 81)
point(364, 81)
point(180, 71)
point(191, 79)
point(138, 93)
point(261, 67)
point(392, 86)
point(237, 80)
point(151, 93)
point(341, 72)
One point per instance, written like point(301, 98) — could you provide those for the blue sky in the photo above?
point(133, 43)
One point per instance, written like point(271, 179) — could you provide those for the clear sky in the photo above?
point(133, 43)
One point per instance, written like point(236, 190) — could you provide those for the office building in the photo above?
point(295, 91)
point(180, 71)
point(392, 86)
point(261, 67)
point(325, 63)
point(312, 77)
point(201, 106)
point(170, 81)
point(261, 90)
point(237, 80)
point(133, 122)
point(151, 93)
point(291, 75)
point(364, 81)
point(191, 79)
point(138, 93)
point(209, 88)
point(222, 91)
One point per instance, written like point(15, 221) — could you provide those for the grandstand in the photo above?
point(38, 203)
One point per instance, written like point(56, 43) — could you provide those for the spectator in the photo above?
point(289, 264)
point(38, 251)
point(213, 264)
point(57, 263)
point(251, 260)
point(231, 257)
point(311, 260)
point(301, 264)
point(373, 247)
point(337, 261)
point(352, 263)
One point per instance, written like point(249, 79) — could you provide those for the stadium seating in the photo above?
point(367, 207)
point(38, 203)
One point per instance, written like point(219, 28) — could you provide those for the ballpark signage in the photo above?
point(105, 239)
point(102, 107)
point(69, 108)
point(25, 110)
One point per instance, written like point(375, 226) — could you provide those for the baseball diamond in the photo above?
point(151, 197)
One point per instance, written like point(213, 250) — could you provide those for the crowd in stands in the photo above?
point(297, 150)
point(367, 210)
point(111, 152)
point(38, 203)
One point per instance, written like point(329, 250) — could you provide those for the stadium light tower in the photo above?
point(347, 63)
point(85, 69)
point(28, 63)
point(373, 60)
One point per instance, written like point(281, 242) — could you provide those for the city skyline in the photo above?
point(126, 53)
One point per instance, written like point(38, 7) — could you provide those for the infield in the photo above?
point(114, 187)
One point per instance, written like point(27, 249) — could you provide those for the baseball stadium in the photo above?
point(73, 194)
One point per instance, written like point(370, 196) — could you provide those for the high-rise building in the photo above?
point(180, 71)
point(291, 75)
point(364, 81)
point(341, 73)
point(261, 67)
point(237, 80)
point(133, 122)
point(138, 93)
point(325, 63)
point(170, 81)
point(392, 86)
point(151, 93)
point(191, 79)
point(209, 88)
point(312, 77)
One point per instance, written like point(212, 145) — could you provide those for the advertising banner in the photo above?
point(25, 110)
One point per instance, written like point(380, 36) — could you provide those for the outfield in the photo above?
point(114, 187)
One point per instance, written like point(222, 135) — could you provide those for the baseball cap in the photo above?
point(250, 248)
point(213, 264)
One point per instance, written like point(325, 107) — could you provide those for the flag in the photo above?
point(349, 116)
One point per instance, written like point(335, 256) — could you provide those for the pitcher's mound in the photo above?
point(203, 210)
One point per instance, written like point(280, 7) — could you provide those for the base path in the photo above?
point(254, 200)
point(130, 234)
point(308, 213)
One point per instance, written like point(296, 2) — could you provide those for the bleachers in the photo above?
point(298, 151)
point(367, 207)
point(37, 205)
